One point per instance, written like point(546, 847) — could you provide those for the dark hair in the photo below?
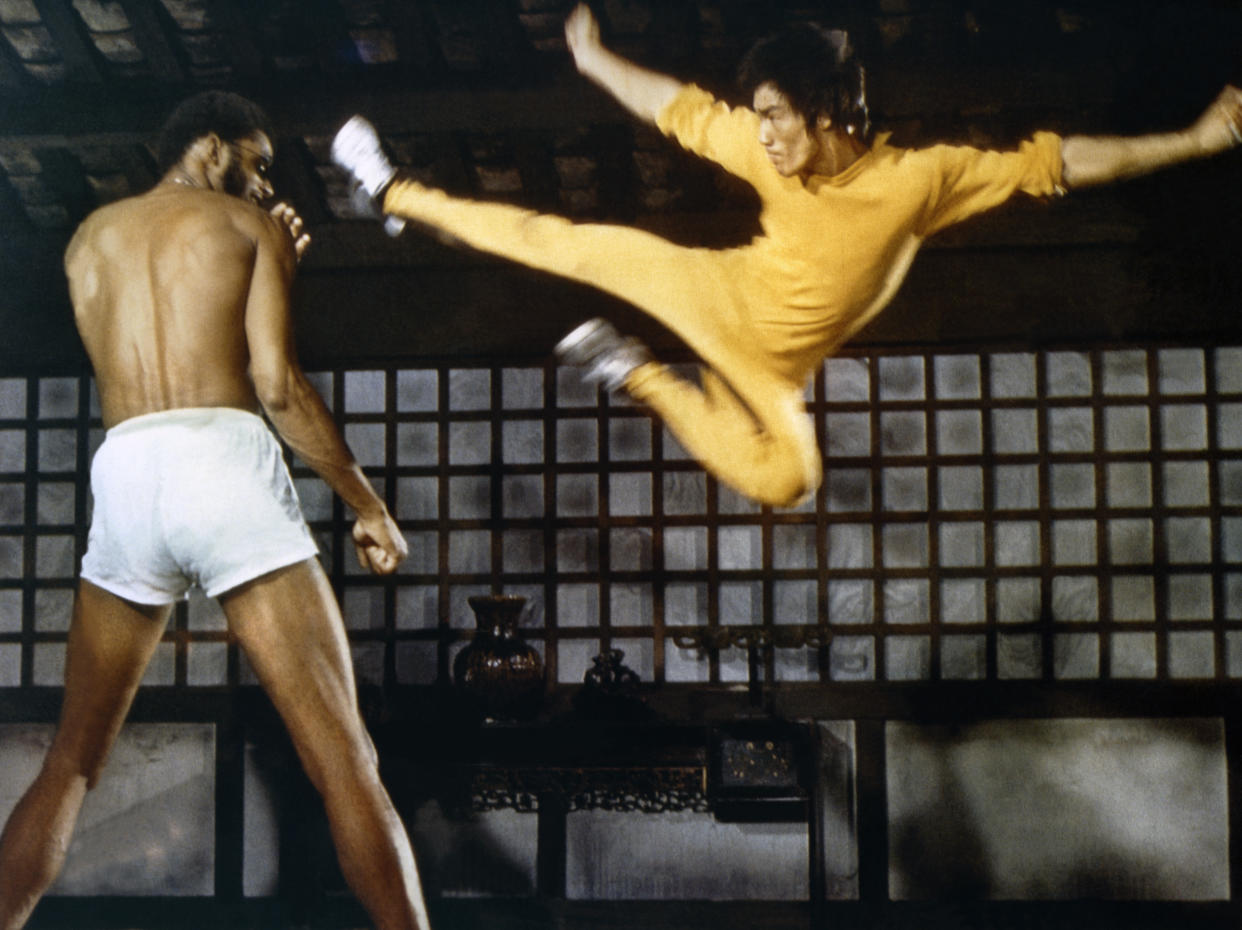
point(229, 116)
point(816, 69)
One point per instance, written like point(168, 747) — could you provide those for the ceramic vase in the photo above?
point(498, 673)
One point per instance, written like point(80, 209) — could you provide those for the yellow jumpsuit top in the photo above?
point(833, 250)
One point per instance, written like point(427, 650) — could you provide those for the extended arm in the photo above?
point(1089, 160)
point(296, 409)
point(644, 93)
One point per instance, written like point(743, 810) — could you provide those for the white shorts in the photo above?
point(196, 496)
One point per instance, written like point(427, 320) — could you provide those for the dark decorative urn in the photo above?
point(498, 673)
point(610, 690)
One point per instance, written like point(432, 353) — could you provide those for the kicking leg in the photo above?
point(765, 449)
point(758, 440)
point(761, 443)
point(290, 627)
point(110, 643)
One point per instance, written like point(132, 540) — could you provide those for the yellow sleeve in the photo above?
point(711, 129)
point(970, 180)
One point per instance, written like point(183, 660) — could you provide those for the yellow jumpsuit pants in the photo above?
point(748, 424)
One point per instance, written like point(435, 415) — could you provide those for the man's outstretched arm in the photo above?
point(643, 92)
point(1090, 160)
point(296, 409)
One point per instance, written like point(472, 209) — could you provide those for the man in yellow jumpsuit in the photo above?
point(842, 215)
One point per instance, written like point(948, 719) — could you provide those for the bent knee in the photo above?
point(782, 487)
point(790, 485)
point(791, 492)
point(799, 467)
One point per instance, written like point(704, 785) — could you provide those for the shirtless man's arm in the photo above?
point(296, 409)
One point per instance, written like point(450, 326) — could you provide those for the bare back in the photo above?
point(160, 285)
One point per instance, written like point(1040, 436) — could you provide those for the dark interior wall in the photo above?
point(1176, 277)
point(1153, 262)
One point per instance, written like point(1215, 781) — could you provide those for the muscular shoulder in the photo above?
point(248, 217)
point(94, 233)
point(182, 206)
point(229, 214)
point(262, 229)
point(199, 226)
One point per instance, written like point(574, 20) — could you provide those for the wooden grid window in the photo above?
point(985, 515)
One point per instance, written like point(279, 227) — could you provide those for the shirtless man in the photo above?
point(842, 214)
point(181, 296)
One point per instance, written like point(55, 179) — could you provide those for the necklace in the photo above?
point(184, 181)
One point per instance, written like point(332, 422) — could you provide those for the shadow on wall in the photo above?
point(1059, 810)
point(148, 827)
point(460, 853)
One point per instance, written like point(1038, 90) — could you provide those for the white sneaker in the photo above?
point(607, 357)
point(356, 148)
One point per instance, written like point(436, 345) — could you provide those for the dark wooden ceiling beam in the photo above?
point(52, 117)
point(505, 44)
point(246, 56)
point(62, 173)
point(153, 40)
point(81, 58)
point(13, 75)
point(566, 103)
point(342, 247)
point(415, 36)
point(13, 219)
point(137, 166)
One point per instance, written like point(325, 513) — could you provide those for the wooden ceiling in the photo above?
point(479, 96)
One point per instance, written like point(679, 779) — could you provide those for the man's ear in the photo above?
point(213, 148)
point(207, 150)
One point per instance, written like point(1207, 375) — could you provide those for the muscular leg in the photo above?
point(290, 627)
point(757, 437)
point(110, 642)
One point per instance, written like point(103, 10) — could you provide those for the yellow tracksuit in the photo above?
point(762, 316)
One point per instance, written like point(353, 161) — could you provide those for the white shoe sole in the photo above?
point(576, 346)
